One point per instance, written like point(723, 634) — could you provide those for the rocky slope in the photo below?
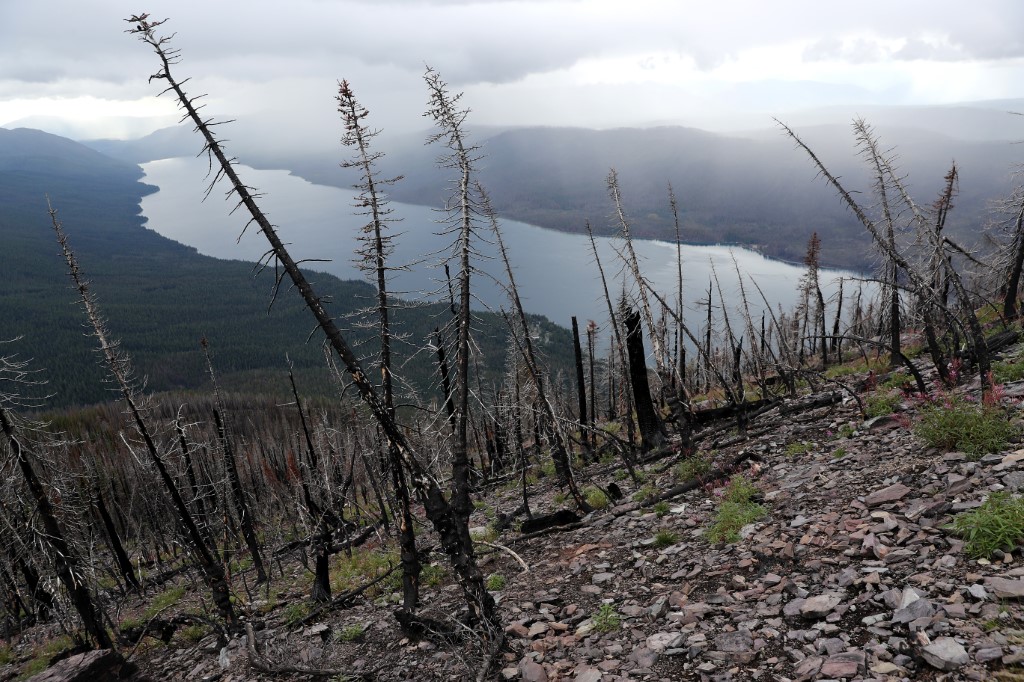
point(852, 574)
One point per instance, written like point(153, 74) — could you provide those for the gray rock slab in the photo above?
point(945, 653)
point(821, 605)
point(896, 491)
point(1004, 588)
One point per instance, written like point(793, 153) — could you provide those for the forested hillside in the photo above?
point(161, 297)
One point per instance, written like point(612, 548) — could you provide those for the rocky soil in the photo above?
point(852, 575)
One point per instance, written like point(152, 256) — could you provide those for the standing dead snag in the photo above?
point(559, 450)
point(120, 370)
point(374, 260)
point(63, 555)
point(451, 526)
point(242, 507)
point(652, 431)
point(633, 263)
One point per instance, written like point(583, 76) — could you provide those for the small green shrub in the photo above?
point(164, 600)
point(881, 404)
point(621, 475)
point(645, 492)
point(365, 565)
point(997, 524)
point(740, 489)
point(495, 582)
point(606, 619)
point(193, 633)
point(839, 453)
point(736, 510)
point(32, 668)
point(1008, 370)
point(559, 497)
point(693, 467)
point(595, 498)
point(432, 575)
point(971, 429)
point(798, 448)
point(351, 633)
point(661, 508)
point(665, 538)
point(896, 381)
point(548, 468)
point(846, 431)
point(295, 612)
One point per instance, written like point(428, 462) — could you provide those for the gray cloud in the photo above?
point(269, 55)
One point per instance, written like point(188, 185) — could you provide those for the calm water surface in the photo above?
point(555, 272)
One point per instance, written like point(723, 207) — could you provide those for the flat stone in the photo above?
point(660, 641)
point(1014, 480)
point(895, 492)
point(945, 653)
point(820, 606)
point(532, 671)
point(1004, 588)
point(732, 642)
point(588, 675)
point(919, 608)
point(977, 591)
point(808, 668)
point(644, 657)
point(601, 578)
point(848, 665)
point(537, 629)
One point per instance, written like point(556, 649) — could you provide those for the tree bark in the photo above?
point(652, 431)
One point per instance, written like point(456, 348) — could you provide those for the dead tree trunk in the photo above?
point(652, 430)
point(581, 386)
point(64, 557)
point(124, 564)
point(120, 370)
point(450, 520)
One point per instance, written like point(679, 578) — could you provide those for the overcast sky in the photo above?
point(718, 65)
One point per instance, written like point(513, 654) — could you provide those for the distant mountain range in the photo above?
point(160, 297)
point(754, 189)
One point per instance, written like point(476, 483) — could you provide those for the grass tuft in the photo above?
point(971, 429)
point(693, 467)
point(736, 510)
point(595, 498)
point(665, 538)
point(997, 524)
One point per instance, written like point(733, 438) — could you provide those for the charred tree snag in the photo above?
point(63, 555)
point(652, 431)
point(124, 564)
point(449, 520)
point(245, 519)
point(245, 516)
point(120, 370)
point(581, 386)
point(377, 248)
point(523, 340)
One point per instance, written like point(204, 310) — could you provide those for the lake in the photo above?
point(555, 272)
